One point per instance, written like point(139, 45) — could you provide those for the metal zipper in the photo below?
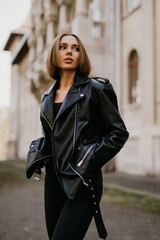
point(52, 145)
point(46, 120)
point(82, 160)
point(74, 141)
point(75, 126)
point(78, 175)
point(54, 156)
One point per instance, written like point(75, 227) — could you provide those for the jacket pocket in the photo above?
point(85, 156)
point(81, 160)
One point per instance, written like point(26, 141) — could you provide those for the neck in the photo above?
point(66, 78)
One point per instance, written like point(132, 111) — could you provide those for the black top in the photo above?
point(50, 170)
point(56, 107)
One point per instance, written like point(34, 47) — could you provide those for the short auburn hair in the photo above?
point(84, 65)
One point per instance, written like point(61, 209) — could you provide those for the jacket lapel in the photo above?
point(74, 94)
point(47, 104)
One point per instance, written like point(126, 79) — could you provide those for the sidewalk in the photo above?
point(22, 208)
point(144, 185)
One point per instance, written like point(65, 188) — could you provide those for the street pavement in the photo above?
point(144, 185)
point(22, 215)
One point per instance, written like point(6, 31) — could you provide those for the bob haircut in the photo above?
point(84, 65)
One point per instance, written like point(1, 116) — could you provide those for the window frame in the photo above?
point(133, 76)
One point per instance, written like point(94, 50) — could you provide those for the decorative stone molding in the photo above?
point(60, 2)
point(62, 16)
point(50, 17)
point(50, 11)
point(39, 25)
point(39, 19)
point(50, 34)
point(40, 81)
point(44, 15)
point(81, 7)
point(40, 7)
point(97, 16)
point(34, 7)
point(63, 25)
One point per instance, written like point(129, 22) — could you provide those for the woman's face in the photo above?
point(68, 54)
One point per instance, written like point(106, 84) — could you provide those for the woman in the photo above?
point(83, 130)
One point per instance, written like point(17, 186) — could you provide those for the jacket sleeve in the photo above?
point(114, 133)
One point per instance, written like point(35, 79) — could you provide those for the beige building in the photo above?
point(139, 49)
point(24, 108)
point(4, 132)
point(121, 38)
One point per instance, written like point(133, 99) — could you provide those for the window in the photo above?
point(129, 5)
point(96, 14)
point(134, 95)
point(132, 4)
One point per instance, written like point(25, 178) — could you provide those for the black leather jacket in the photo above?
point(87, 132)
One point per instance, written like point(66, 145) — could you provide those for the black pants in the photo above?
point(66, 219)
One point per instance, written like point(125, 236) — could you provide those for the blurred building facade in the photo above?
point(24, 123)
point(4, 132)
point(121, 38)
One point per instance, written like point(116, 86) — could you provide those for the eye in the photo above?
point(62, 47)
point(76, 49)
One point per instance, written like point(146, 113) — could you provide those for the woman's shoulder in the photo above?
point(99, 82)
point(102, 87)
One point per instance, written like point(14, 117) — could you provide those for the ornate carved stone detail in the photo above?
point(39, 83)
point(81, 7)
point(50, 17)
point(50, 11)
point(63, 23)
point(39, 25)
point(38, 78)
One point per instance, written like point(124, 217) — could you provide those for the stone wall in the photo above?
point(139, 31)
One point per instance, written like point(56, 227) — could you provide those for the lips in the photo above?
point(68, 60)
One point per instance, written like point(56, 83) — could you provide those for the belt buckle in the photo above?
point(37, 174)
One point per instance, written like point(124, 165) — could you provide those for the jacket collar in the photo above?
point(74, 94)
point(79, 80)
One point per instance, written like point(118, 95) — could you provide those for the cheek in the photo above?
point(77, 58)
point(59, 57)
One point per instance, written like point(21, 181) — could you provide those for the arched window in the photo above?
point(134, 95)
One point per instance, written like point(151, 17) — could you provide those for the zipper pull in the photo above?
point(86, 184)
point(80, 163)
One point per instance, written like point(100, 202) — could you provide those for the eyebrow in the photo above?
point(75, 45)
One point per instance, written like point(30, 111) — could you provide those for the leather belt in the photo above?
point(102, 232)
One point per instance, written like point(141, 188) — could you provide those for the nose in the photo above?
point(69, 51)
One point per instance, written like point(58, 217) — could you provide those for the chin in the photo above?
point(70, 68)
